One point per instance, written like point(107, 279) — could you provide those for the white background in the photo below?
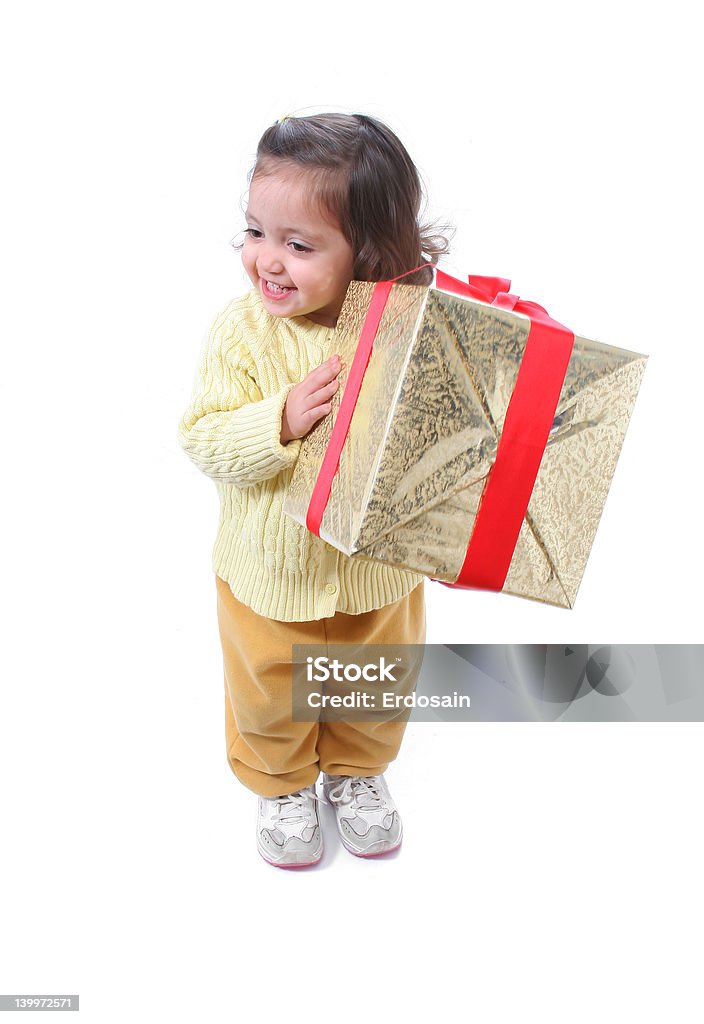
point(548, 872)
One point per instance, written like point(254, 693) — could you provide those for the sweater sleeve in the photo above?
point(230, 431)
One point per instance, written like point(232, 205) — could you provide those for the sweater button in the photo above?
point(330, 588)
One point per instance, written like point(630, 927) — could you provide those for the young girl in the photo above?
point(332, 198)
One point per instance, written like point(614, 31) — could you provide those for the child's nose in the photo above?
point(269, 262)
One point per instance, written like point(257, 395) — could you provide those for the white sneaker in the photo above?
point(288, 829)
point(367, 819)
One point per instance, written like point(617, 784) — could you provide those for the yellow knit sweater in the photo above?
point(231, 431)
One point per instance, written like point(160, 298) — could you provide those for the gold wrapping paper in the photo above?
point(425, 431)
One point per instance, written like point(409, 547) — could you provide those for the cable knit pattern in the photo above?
point(231, 431)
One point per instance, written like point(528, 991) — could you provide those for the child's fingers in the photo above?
point(323, 394)
point(322, 375)
point(313, 415)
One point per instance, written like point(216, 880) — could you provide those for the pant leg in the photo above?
point(367, 748)
point(268, 752)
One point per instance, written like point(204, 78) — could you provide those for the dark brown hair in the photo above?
point(366, 183)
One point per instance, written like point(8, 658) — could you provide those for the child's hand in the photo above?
point(309, 401)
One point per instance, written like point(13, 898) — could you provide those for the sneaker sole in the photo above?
point(377, 853)
point(290, 867)
point(371, 853)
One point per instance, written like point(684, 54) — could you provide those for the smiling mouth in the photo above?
point(275, 290)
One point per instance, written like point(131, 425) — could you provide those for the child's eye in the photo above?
point(299, 247)
point(252, 232)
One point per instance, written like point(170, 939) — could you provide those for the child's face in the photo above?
point(288, 243)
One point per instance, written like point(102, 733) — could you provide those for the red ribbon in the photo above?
point(527, 425)
point(331, 460)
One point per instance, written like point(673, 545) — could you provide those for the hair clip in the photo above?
point(281, 119)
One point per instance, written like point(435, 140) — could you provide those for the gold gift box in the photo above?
point(425, 431)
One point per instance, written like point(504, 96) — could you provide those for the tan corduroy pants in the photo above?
point(267, 751)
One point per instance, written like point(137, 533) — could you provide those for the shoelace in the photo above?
point(298, 799)
point(364, 789)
